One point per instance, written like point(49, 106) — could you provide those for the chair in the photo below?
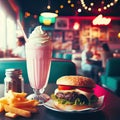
point(111, 76)
point(58, 68)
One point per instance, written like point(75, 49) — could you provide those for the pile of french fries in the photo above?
point(15, 104)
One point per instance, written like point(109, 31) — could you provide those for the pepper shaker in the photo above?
point(13, 80)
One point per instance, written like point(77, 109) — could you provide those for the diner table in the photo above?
point(97, 62)
point(109, 111)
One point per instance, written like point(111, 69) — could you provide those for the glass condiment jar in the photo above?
point(13, 80)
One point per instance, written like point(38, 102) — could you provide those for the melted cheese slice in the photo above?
point(87, 94)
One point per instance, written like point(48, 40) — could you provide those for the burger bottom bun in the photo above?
point(70, 107)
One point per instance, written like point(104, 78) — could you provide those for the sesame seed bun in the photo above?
point(80, 81)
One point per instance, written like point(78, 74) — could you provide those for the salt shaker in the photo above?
point(13, 80)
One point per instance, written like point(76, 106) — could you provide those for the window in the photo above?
point(7, 32)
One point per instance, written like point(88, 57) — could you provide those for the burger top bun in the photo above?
point(80, 81)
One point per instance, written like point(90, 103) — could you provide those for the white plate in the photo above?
point(50, 105)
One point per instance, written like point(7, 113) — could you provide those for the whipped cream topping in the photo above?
point(38, 37)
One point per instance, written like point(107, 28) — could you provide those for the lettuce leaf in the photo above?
point(77, 101)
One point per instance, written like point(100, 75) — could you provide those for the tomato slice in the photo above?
point(65, 87)
point(86, 89)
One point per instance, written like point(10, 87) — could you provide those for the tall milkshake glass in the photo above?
point(38, 58)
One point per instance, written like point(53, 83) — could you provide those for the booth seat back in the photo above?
point(111, 76)
point(113, 67)
point(58, 68)
point(17, 64)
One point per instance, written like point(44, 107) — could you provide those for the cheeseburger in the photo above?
point(74, 93)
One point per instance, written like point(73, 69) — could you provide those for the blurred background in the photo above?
point(77, 22)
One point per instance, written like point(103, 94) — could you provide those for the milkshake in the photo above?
point(38, 58)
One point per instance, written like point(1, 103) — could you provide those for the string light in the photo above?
point(91, 5)
point(27, 14)
point(99, 10)
point(89, 9)
point(61, 6)
point(48, 7)
point(72, 5)
point(57, 11)
point(79, 10)
point(69, 1)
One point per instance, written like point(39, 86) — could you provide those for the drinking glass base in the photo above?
point(42, 98)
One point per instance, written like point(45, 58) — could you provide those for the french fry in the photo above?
point(17, 111)
point(3, 100)
point(28, 103)
point(1, 107)
point(31, 109)
point(14, 96)
point(15, 104)
point(20, 95)
point(11, 115)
